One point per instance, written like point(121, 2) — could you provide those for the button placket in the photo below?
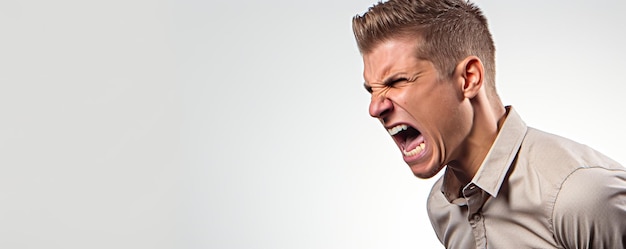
point(475, 200)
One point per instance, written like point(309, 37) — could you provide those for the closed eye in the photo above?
point(387, 83)
point(393, 82)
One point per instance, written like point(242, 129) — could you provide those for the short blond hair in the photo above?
point(447, 31)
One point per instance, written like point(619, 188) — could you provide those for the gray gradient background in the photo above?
point(243, 124)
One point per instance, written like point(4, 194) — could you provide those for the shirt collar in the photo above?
point(496, 164)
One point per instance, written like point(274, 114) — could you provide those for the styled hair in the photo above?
point(445, 32)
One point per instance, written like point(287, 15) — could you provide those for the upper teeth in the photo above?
point(395, 130)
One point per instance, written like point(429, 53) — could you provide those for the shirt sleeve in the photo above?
point(590, 209)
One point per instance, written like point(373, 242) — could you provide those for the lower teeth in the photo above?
point(415, 151)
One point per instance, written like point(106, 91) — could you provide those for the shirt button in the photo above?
point(477, 217)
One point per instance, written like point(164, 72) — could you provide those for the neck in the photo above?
point(488, 119)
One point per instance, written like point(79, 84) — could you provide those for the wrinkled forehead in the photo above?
point(389, 57)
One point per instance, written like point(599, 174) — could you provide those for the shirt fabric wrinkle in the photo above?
point(510, 202)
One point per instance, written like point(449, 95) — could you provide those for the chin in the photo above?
point(425, 172)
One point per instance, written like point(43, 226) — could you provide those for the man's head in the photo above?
point(446, 30)
point(429, 65)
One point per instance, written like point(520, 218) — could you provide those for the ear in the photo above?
point(472, 73)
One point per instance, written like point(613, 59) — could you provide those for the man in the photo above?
point(429, 66)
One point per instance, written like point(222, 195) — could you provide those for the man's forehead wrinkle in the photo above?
point(387, 60)
point(382, 77)
point(372, 74)
point(380, 63)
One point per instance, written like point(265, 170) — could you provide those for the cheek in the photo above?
point(456, 124)
point(427, 105)
point(433, 104)
point(439, 111)
point(413, 100)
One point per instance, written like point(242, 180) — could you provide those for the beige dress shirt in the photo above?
point(533, 190)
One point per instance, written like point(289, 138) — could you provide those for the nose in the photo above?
point(380, 106)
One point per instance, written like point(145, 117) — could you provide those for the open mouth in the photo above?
point(409, 139)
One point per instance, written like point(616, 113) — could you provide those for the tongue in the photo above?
point(412, 142)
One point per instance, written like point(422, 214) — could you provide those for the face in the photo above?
point(426, 114)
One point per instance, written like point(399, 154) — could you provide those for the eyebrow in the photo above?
point(368, 88)
point(387, 81)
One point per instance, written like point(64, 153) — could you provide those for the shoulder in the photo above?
point(588, 190)
point(590, 208)
point(556, 158)
point(554, 148)
point(584, 191)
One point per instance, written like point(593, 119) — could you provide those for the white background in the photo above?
point(243, 124)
